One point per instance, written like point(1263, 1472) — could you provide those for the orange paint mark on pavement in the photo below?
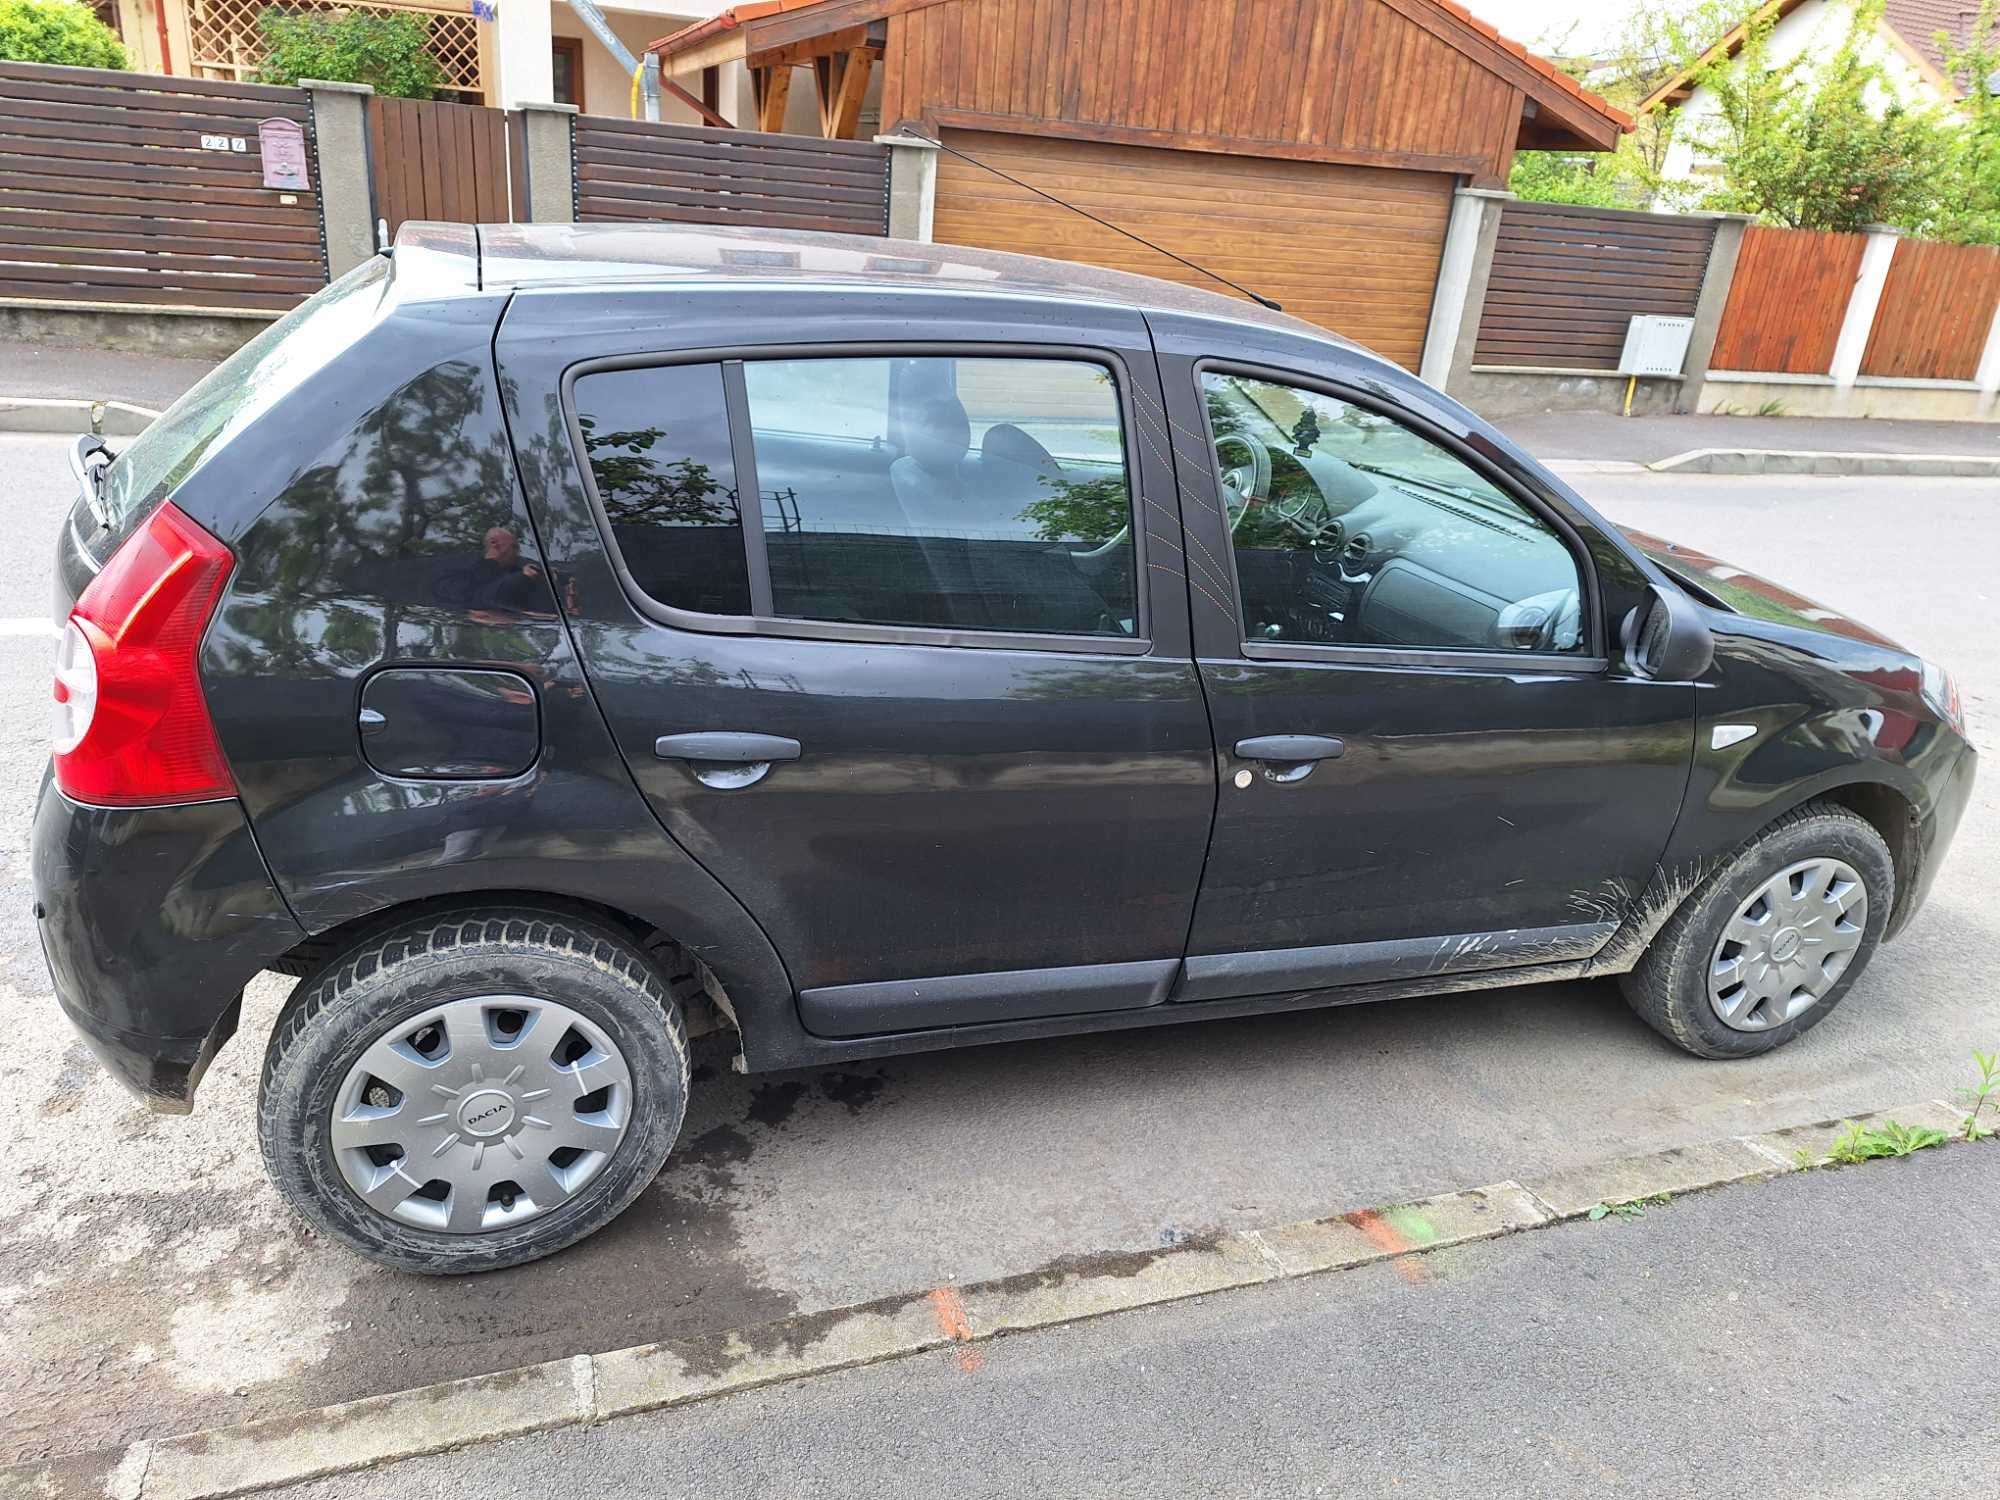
point(954, 1325)
point(1386, 1236)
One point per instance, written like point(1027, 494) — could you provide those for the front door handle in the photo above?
point(1291, 749)
point(725, 748)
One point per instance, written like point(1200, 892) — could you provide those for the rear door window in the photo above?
point(930, 492)
point(954, 493)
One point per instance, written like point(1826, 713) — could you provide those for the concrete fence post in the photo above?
point(912, 185)
point(1716, 281)
point(1463, 271)
point(1862, 306)
point(1989, 371)
point(548, 167)
point(346, 179)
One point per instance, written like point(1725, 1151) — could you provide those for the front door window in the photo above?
point(1348, 528)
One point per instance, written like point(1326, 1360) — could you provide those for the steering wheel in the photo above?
point(1247, 482)
point(1088, 554)
point(1244, 484)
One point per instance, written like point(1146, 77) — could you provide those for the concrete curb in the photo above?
point(595, 1387)
point(1594, 466)
point(72, 415)
point(1849, 465)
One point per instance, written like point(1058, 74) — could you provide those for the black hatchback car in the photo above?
point(548, 637)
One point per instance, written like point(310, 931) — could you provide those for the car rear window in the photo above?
point(658, 444)
point(248, 383)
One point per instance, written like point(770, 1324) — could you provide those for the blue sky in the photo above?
point(1533, 21)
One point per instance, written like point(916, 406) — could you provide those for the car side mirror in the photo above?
point(1667, 638)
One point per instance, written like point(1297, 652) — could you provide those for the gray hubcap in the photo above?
point(1789, 943)
point(480, 1113)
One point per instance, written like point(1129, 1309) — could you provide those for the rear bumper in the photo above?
point(152, 919)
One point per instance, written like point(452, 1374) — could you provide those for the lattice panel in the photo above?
point(225, 41)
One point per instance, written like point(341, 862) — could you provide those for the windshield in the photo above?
point(246, 384)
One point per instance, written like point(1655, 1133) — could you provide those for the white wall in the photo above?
point(607, 88)
point(1815, 29)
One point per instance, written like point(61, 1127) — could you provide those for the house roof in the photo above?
point(1911, 26)
point(1541, 65)
point(1559, 89)
point(1918, 23)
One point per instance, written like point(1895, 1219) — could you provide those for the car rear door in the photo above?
point(1433, 759)
point(917, 706)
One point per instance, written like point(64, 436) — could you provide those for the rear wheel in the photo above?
point(1773, 940)
point(474, 1091)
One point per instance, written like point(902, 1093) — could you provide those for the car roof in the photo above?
point(522, 256)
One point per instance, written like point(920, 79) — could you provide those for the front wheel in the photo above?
point(474, 1091)
point(1773, 940)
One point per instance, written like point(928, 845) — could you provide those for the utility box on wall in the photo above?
point(1655, 345)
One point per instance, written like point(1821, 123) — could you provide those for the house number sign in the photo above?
point(282, 144)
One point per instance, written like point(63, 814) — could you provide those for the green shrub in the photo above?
point(57, 31)
point(389, 53)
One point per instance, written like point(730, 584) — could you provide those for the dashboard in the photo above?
point(1391, 548)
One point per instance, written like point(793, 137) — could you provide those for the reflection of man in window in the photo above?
point(503, 578)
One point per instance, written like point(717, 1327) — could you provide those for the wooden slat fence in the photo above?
point(1566, 282)
point(436, 160)
point(636, 169)
point(107, 194)
point(1788, 301)
point(1936, 309)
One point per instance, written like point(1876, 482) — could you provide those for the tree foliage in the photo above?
point(1657, 40)
point(1597, 180)
point(388, 52)
point(57, 31)
point(1821, 141)
point(1969, 206)
point(1823, 144)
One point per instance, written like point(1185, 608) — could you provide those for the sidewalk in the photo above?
point(1604, 438)
point(47, 373)
point(1821, 1334)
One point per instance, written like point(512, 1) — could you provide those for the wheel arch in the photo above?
point(695, 971)
point(1892, 814)
point(1884, 806)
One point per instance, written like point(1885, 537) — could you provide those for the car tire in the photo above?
point(1689, 983)
point(347, 1069)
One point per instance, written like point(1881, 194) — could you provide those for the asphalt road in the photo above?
point(1710, 1348)
point(150, 1281)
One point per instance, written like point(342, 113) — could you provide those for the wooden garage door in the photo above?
point(1352, 248)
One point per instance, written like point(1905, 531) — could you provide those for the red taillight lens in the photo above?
point(131, 726)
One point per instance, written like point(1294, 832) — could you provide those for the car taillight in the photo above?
point(130, 724)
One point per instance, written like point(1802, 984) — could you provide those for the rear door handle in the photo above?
point(723, 747)
point(1291, 749)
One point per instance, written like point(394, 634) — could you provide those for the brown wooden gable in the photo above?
point(1404, 83)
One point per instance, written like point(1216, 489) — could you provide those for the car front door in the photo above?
point(1431, 757)
point(869, 621)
